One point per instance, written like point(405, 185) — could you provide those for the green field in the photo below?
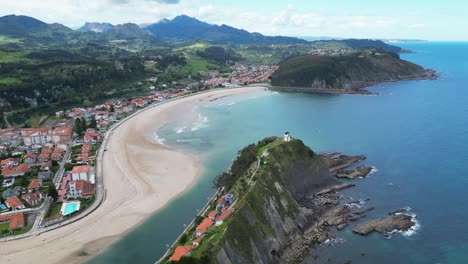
point(9, 81)
point(35, 121)
point(54, 209)
point(12, 56)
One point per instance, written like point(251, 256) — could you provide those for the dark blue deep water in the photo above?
point(415, 133)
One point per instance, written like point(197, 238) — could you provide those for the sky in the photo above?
point(391, 19)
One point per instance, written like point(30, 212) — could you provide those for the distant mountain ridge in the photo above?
point(19, 26)
point(188, 28)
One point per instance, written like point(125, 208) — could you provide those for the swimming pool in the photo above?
point(70, 207)
point(2, 207)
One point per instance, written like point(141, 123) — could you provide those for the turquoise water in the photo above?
point(415, 133)
point(71, 208)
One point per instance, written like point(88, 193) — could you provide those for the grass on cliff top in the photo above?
point(271, 145)
point(10, 81)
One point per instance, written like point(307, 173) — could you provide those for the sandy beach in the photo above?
point(140, 177)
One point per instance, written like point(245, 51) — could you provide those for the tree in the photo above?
point(83, 126)
point(112, 109)
point(78, 126)
point(87, 103)
point(68, 166)
point(92, 123)
point(52, 192)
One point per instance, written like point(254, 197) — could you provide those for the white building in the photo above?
point(287, 137)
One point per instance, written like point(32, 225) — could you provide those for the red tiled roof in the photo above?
point(5, 161)
point(204, 225)
point(14, 202)
point(199, 239)
point(16, 220)
point(32, 198)
point(11, 170)
point(86, 187)
point(212, 214)
point(35, 184)
point(81, 169)
point(225, 214)
point(181, 251)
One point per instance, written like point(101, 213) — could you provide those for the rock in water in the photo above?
point(399, 222)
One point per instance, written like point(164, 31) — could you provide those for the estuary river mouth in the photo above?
point(414, 132)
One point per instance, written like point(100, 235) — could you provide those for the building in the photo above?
point(14, 203)
point(181, 251)
point(203, 226)
point(15, 220)
point(212, 215)
point(44, 175)
point(82, 172)
point(34, 185)
point(37, 136)
point(286, 137)
point(11, 192)
point(32, 198)
point(91, 136)
point(30, 158)
point(9, 162)
point(62, 135)
point(12, 171)
point(224, 215)
point(80, 189)
point(197, 241)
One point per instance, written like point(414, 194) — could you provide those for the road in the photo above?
point(7, 123)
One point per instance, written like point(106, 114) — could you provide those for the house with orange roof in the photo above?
point(12, 171)
point(32, 198)
point(9, 162)
point(57, 156)
point(82, 172)
point(86, 150)
point(80, 189)
point(212, 215)
point(203, 226)
point(62, 135)
point(181, 251)
point(15, 220)
point(224, 215)
point(44, 157)
point(197, 241)
point(14, 203)
point(34, 185)
point(37, 136)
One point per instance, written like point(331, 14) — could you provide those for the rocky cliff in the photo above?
point(280, 207)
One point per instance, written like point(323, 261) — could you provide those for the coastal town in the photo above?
point(48, 172)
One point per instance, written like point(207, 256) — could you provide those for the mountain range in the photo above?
point(187, 28)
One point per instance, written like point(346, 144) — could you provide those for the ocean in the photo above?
point(415, 134)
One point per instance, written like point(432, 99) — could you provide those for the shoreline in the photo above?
point(136, 186)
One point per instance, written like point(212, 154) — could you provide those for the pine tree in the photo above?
point(92, 123)
point(52, 192)
point(78, 126)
